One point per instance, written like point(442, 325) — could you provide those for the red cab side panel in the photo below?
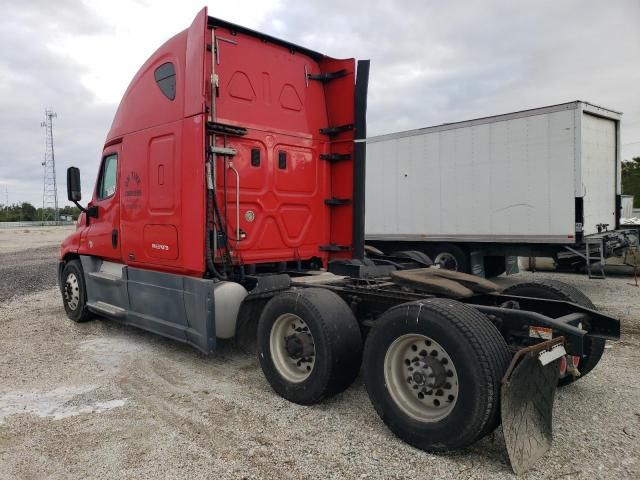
point(161, 175)
point(294, 203)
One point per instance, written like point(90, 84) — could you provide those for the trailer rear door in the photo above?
point(598, 172)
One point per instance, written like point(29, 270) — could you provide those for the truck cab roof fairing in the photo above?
point(144, 105)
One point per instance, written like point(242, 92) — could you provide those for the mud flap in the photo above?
point(528, 391)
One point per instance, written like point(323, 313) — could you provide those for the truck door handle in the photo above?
point(114, 238)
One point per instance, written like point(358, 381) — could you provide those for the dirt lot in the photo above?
point(98, 400)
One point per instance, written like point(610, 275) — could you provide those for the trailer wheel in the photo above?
point(433, 370)
point(309, 345)
point(74, 294)
point(555, 290)
point(450, 257)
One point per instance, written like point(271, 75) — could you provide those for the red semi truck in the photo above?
point(230, 204)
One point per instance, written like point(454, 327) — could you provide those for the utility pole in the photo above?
point(50, 191)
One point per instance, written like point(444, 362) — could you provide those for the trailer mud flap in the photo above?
point(528, 391)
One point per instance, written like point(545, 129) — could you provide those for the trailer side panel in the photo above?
point(503, 179)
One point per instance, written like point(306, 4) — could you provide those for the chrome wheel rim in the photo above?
point(72, 291)
point(447, 261)
point(292, 348)
point(421, 377)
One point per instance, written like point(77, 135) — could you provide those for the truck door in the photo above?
point(103, 239)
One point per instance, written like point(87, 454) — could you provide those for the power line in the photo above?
point(632, 143)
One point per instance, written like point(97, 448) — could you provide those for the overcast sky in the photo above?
point(432, 62)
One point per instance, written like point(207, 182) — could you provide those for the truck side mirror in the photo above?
point(74, 191)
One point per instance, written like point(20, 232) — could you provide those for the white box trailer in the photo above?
point(528, 182)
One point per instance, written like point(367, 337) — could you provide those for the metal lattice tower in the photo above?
point(50, 192)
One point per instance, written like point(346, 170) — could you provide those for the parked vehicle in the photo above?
point(230, 204)
point(542, 182)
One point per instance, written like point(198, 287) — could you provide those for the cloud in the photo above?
point(435, 62)
point(432, 62)
point(34, 78)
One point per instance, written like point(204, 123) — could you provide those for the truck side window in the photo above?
point(108, 177)
point(165, 76)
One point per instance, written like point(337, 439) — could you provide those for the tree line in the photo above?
point(25, 212)
point(631, 180)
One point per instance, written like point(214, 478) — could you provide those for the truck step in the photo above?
point(107, 309)
point(221, 128)
point(331, 131)
point(224, 151)
point(106, 276)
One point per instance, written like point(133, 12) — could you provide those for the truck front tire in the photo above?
point(555, 290)
point(309, 345)
point(74, 293)
point(433, 370)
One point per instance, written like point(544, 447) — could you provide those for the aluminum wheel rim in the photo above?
point(431, 397)
point(72, 291)
point(294, 369)
point(447, 261)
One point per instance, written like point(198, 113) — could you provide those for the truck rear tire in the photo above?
point(309, 345)
point(555, 290)
point(433, 370)
point(74, 293)
point(451, 257)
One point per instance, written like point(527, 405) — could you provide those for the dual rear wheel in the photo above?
point(432, 368)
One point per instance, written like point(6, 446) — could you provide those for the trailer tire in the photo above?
point(473, 353)
point(494, 266)
point(451, 257)
point(74, 292)
point(556, 290)
point(325, 324)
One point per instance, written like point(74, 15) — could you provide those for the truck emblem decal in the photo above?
point(132, 190)
point(160, 246)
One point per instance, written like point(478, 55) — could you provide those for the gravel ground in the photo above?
point(28, 271)
point(99, 400)
point(19, 239)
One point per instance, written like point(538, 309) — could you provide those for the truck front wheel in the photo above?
point(309, 345)
point(433, 370)
point(74, 294)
